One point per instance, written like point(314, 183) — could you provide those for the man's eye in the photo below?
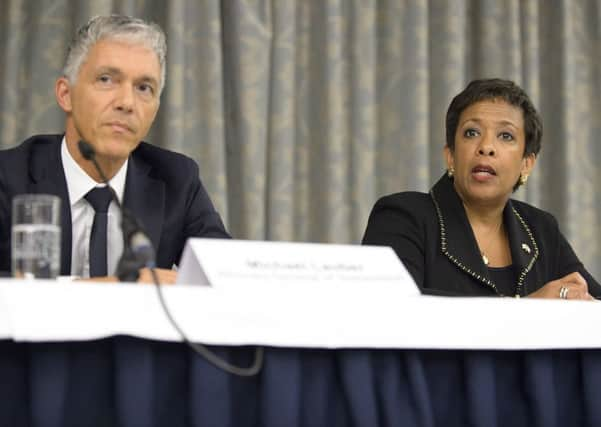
point(470, 133)
point(104, 78)
point(506, 136)
point(146, 88)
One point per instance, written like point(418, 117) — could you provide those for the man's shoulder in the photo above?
point(152, 153)
point(164, 163)
point(32, 143)
point(34, 152)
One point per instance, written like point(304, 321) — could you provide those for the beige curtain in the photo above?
point(301, 113)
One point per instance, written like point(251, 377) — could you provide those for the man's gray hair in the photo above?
point(115, 27)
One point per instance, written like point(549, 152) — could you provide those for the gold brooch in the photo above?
point(526, 248)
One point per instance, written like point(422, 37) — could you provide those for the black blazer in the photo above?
point(432, 236)
point(162, 190)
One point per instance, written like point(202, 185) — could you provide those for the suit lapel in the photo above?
point(145, 197)
point(48, 177)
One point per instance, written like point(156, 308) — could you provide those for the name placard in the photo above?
point(220, 262)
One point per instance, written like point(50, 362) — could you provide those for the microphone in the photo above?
point(138, 250)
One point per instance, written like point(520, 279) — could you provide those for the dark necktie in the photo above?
point(99, 198)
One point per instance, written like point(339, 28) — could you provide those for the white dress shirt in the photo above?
point(79, 183)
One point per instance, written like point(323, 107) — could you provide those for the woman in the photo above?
point(467, 237)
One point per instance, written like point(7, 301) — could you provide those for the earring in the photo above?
point(451, 172)
point(523, 179)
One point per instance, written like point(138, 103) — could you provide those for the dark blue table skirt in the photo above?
point(125, 381)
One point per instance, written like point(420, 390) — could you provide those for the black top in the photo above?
point(432, 236)
point(505, 279)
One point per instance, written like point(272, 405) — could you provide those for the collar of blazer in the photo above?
point(458, 243)
point(144, 195)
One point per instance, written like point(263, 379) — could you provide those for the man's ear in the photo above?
point(62, 91)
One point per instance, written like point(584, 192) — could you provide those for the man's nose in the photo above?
point(126, 99)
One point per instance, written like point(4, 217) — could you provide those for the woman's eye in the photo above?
point(470, 133)
point(506, 136)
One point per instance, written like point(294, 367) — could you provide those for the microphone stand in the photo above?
point(138, 252)
point(130, 263)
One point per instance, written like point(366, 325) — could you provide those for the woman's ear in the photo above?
point(448, 154)
point(528, 164)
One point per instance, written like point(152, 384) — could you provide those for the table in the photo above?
point(104, 355)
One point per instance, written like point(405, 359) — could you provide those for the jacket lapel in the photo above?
point(145, 197)
point(48, 177)
point(524, 249)
point(457, 240)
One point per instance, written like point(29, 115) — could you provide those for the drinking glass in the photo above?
point(36, 236)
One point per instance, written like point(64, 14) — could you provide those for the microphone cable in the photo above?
point(203, 350)
point(136, 232)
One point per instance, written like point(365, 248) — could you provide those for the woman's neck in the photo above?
point(483, 215)
point(491, 238)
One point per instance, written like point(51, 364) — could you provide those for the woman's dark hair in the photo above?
point(489, 89)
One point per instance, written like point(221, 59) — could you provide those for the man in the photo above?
point(110, 92)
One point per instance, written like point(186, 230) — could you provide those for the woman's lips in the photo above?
point(483, 173)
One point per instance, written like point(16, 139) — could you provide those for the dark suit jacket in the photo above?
point(432, 236)
point(162, 190)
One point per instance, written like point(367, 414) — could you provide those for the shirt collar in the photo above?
point(79, 183)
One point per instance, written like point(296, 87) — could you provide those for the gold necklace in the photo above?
point(484, 250)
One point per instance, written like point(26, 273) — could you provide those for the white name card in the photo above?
point(220, 262)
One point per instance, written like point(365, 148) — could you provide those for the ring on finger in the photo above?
point(563, 292)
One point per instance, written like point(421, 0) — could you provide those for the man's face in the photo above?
point(114, 100)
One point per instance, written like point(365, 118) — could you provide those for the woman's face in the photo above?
point(489, 152)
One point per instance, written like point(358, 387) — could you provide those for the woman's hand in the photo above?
point(572, 286)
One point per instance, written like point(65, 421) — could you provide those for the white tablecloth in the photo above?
point(338, 317)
